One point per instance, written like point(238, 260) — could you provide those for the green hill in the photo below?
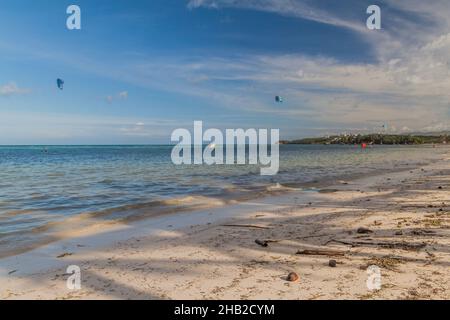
point(373, 139)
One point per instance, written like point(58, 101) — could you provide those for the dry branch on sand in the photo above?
point(321, 252)
point(383, 244)
point(245, 226)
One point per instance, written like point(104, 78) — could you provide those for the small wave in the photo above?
point(284, 187)
point(56, 174)
point(14, 213)
point(107, 181)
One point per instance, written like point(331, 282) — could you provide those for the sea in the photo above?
point(41, 186)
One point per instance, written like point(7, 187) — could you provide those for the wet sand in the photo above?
point(212, 254)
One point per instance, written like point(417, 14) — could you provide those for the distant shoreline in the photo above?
point(373, 139)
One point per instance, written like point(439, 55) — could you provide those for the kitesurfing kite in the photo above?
point(60, 83)
point(278, 99)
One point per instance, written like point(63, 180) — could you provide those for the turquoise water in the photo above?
point(40, 184)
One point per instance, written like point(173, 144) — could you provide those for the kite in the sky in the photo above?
point(60, 83)
point(278, 99)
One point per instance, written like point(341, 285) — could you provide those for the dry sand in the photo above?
point(212, 254)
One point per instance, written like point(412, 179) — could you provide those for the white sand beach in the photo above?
point(212, 254)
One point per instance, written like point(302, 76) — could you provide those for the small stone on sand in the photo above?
point(292, 277)
point(364, 230)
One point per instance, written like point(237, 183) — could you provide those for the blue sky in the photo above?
point(137, 70)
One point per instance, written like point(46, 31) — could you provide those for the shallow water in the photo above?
point(40, 184)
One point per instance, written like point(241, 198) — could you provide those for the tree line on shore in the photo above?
point(389, 139)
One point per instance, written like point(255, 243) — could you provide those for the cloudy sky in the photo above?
point(139, 69)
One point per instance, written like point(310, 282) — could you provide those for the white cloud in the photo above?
point(407, 86)
point(294, 8)
point(123, 95)
point(17, 127)
point(436, 127)
point(11, 89)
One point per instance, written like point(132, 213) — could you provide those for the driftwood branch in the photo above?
point(321, 252)
point(245, 226)
point(384, 244)
point(313, 236)
point(265, 243)
point(262, 243)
